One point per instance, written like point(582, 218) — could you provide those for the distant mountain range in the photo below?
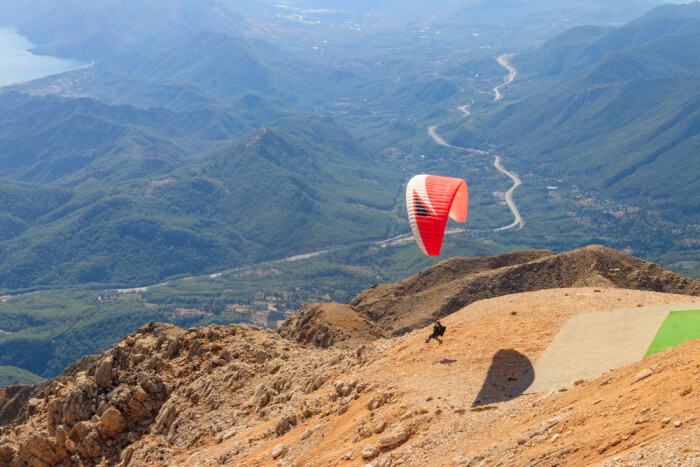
point(92, 30)
point(300, 184)
point(622, 115)
point(204, 68)
point(207, 150)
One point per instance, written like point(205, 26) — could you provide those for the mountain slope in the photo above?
point(49, 139)
point(457, 282)
point(583, 46)
point(301, 185)
point(93, 30)
point(622, 119)
point(202, 68)
point(234, 395)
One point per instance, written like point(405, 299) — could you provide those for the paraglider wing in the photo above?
point(430, 200)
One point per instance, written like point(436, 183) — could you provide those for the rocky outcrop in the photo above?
point(455, 283)
point(13, 401)
point(328, 324)
point(185, 387)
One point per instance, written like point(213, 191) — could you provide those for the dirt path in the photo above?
point(503, 61)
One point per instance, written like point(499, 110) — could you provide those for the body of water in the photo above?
point(18, 64)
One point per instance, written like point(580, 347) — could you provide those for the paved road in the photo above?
point(503, 60)
point(518, 220)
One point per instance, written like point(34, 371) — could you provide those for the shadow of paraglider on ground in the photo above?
point(509, 375)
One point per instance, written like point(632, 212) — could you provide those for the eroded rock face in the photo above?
point(330, 324)
point(13, 401)
point(183, 388)
point(455, 283)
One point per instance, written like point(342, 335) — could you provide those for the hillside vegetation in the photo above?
point(13, 376)
point(624, 120)
point(230, 207)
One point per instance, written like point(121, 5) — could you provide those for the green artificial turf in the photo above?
point(678, 328)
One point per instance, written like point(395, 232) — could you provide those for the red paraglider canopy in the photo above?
point(430, 200)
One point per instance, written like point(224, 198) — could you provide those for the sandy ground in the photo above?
point(460, 401)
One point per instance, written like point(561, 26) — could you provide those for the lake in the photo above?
point(18, 64)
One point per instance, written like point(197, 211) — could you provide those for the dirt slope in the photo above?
point(240, 396)
point(455, 283)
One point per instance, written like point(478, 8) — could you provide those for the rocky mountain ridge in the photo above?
point(457, 282)
point(329, 389)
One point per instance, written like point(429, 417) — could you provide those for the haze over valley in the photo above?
point(220, 162)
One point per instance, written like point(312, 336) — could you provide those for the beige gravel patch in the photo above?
point(592, 343)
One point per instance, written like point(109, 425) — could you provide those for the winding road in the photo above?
point(503, 60)
point(518, 221)
point(465, 110)
point(432, 131)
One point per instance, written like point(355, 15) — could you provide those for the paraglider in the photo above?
point(430, 200)
point(438, 332)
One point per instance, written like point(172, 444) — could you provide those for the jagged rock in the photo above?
point(61, 435)
point(78, 404)
point(330, 324)
point(378, 400)
point(126, 455)
point(395, 435)
point(8, 452)
point(262, 396)
point(284, 423)
point(363, 431)
point(306, 434)
point(90, 446)
point(643, 374)
point(41, 451)
point(111, 424)
point(32, 405)
point(380, 426)
point(139, 394)
point(103, 373)
point(260, 357)
point(344, 389)
point(80, 431)
point(370, 450)
point(279, 451)
point(150, 383)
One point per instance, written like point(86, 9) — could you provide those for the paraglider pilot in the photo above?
point(438, 331)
